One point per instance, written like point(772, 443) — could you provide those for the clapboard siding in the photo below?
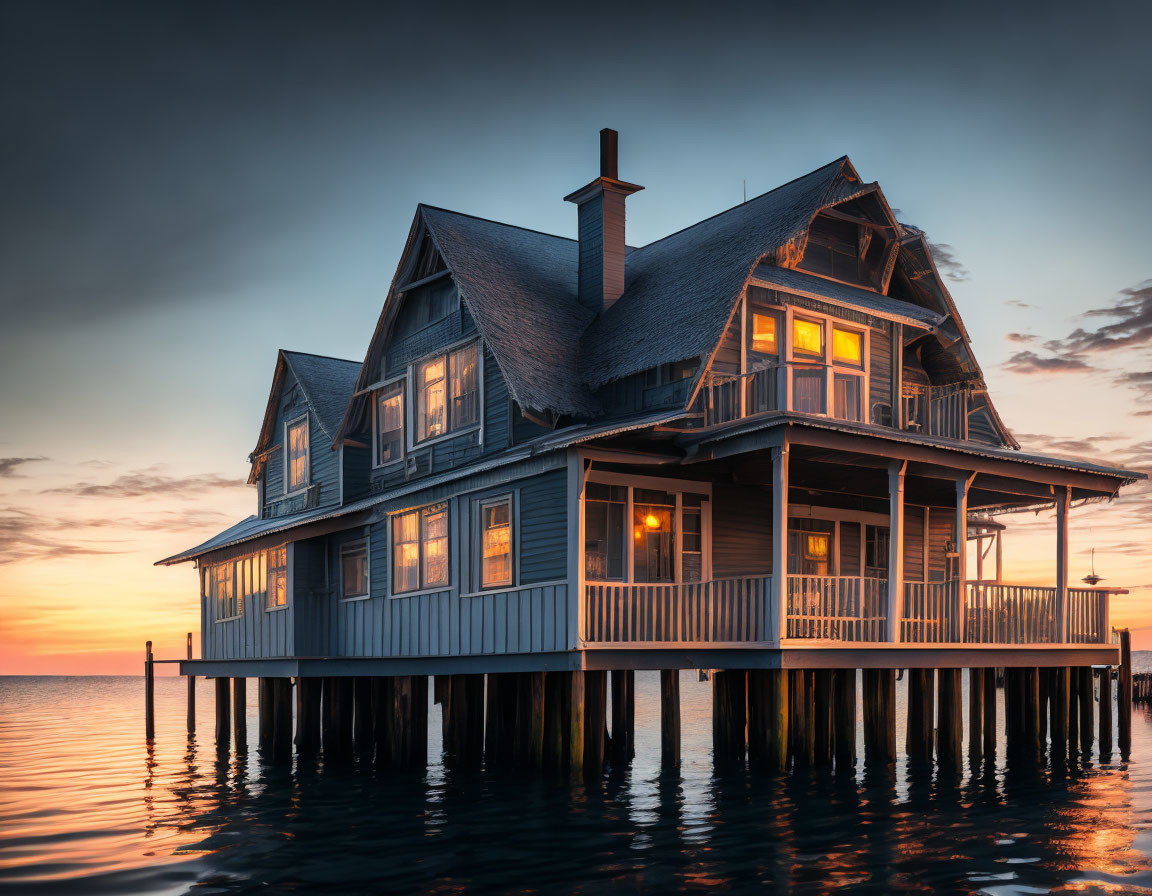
point(257, 633)
point(941, 528)
point(914, 543)
point(741, 531)
point(544, 528)
point(880, 375)
point(497, 410)
point(357, 466)
point(851, 547)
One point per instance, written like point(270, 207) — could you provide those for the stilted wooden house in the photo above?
point(760, 443)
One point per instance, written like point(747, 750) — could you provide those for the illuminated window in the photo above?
point(277, 593)
point(447, 395)
point(604, 531)
point(654, 558)
point(420, 549)
point(847, 347)
point(390, 424)
point(764, 333)
point(815, 546)
point(807, 337)
point(354, 570)
point(496, 542)
point(223, 589)
point(296, 438)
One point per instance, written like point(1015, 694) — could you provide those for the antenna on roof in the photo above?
point(745, 189)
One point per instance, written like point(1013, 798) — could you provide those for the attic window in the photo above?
point(833, 249)
point(764, 333)
point(296, 454)
point(447, 393)
point(390, 424)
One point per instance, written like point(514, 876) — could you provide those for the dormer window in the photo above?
point(833, 249)
point(447, 394)
point(828, 367)
point(389, 424)
point(296, 454)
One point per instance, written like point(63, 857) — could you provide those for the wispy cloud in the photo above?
point(25, 536)
point(1016, 303)
point(8, 465)
point(1030, 362)
point(148, 482)
point(947, 262)
point(1025, 338)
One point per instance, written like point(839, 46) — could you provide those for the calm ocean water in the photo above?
point(87, 807)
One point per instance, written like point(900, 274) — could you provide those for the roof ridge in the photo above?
point(289, 351)
point(448, 211)
point(733, 208)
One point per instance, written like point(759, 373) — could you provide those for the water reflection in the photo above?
point(86, 805)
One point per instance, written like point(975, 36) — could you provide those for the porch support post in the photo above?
point(1063, 500)
point(780, 539)
point(956, 623)
point(896, 471)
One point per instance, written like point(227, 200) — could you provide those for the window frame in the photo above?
point(830, 367)
point(421, 588)
point(512, 499)
point(676, 487)
point(269, 579)
point(348, 547)
point(288, 426)
point(411, 410)
point(377, 395)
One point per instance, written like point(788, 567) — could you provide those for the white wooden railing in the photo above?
point(1088, 616)
point(931, 613)
point(1009, 614)
point(720, 611)
point(839, 608)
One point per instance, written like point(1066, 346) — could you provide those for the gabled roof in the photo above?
point(680, 291)
point(327, 385)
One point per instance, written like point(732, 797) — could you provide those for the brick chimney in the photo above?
point(600, 207)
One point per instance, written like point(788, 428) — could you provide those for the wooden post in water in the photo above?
point(879, 716)
point(1073, 711)
point(362, 713)
point(308, 700)
point(595, 722)
point(989, 725)
point(575, 725)
point(949, 718)
point(240, 713)
point(1106, 712)
point(623, 716)
point(670, 718)
point(768, 719)
point(223, 713)
point(264, 714)
point(191, 693)
point(408, 722)
point(822, 721)
point(1058, 703)
point(282, 719)
point(1086, 701)
point(800, 721)
point(729, 720)
point(149, 700)
point(843, 719)
point(1030, 702)
point(975, 714)
point(1124, 695)
point(919, 736)
point(555, 691)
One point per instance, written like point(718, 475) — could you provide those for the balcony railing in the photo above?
point(719, 399)
point(936, 410)
point(838, 608)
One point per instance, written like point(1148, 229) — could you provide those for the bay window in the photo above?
point(447, 393)
point(420, 549)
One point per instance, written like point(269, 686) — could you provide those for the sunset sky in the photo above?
point(188, 188)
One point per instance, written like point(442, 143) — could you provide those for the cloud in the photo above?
point(1016, 303)
point(1020, 337)
point(947, 262)
point(1131, 325)
point(8, 465)
point(147, 483)
point(23, 537)
point(1029, 362)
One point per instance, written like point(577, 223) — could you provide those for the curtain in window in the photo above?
point(390, 425)
point(847, 399)
point(298, 455)
point(277, 593)
point(406, 552)
point(808, 391)
point(496, 544)
point(431, 411)
point(435, 544)
point(465, 397)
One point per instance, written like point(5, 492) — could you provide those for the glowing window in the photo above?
point(764, 333)
point(390, 424)
point(807, 337)
point(496, 542)
point(420, 549)
point(277, 593)
point(297, 439)
point(847, 347)
point(447, 393)
point(815, 546)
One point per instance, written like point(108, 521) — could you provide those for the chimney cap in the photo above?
point(609, 178)
point(609, 144)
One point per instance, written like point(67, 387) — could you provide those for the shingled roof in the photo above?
point(327, 383)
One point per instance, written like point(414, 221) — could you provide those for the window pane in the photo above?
point(847, 396)
point(603, 539)
point(354, 570)
point(435, 546)
point(764, 333)
point(298, 455)
point(405, 552)
point(430, 389)
point(465, 397)
point(807, 337)
point(496, 544)
point(277, 594)
point(653, 535)
point(847, 347)
point(390, 423)
point(692, 559)
point(808, 391)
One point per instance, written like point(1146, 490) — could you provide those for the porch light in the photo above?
point(651, 521)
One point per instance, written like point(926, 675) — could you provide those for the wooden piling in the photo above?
point(264, 714)
point(800, 718)
point(555, 692)
point(282, 719)
point(1086, 701)
point(1106, 712)
point(843, 718)
point(1124, 696)
point(223, 713)
point(575, 723)
point(921, 702)
point(1043, 677)
point(407, 728)
point(1073, 711)
point(670, 718)
point(949, 718)
point(1030, 706)
point(191, 692)
point(362, 714)
point(975, 715)
point(308, 700)
point(989, 725)
point(822, 716)
point(768, 719)
point(1058, 715)
point(240, 713)
point(595, 722)
point(623, 715)
point(729, 715)
point(149, 697)
point(879, 691)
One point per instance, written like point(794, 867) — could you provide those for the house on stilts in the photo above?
point(761, 445)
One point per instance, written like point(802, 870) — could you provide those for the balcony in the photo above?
point(837, 609)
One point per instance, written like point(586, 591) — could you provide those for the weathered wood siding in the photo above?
point(941, 529)
point(913, 543)
point(727, 359)
point(256, 633)
point(544, 528)
point(880, 375)
point(851, 548)
point(741, 531)
point(356, 468)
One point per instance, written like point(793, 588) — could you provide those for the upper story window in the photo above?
point(496, 542)
point(829, 368)
point(354, 570)
point(277, 593)
point(389, 424)
point(447, 393)
point(420, 549)
point(296, 454)
point(808, 338)
point(764, 338)
point(833, 249)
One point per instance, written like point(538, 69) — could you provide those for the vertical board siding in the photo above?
point(741, 531)
point(913, 543)
point(879, 372)
point(257, 633)
point(544, 528)
point(941, 526)
point(497, 410)
point(851, 546)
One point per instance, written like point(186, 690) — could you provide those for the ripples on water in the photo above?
point(87, 807)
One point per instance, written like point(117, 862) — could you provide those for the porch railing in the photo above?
point(1010, 614)
point(1088, 616)
point(719, 399)
point(937, 410)
point(838, 608)
point(931, 612)
point(722, 610)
